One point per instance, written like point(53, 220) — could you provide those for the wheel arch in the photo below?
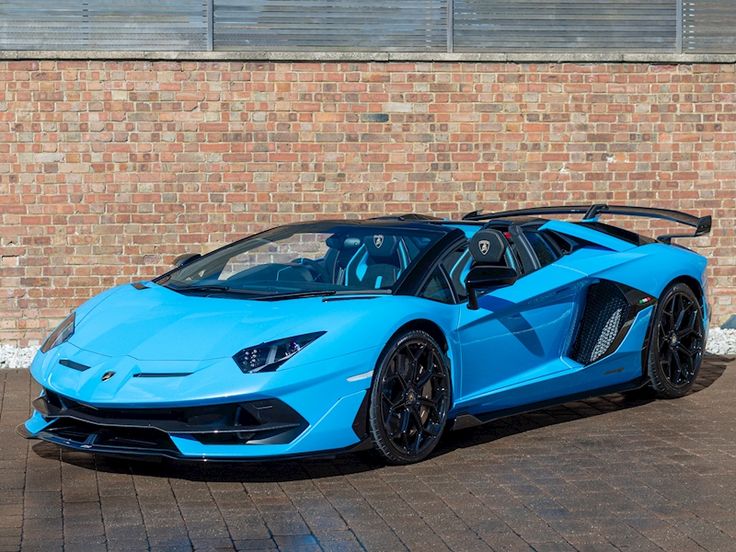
point(423, 324)
point(695, 286)
point(439, 335)
point(426, 325)
point(362, 422)
point(690, 282)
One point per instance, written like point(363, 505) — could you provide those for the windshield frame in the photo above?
point(441, 232)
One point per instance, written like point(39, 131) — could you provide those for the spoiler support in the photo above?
point(702, 225)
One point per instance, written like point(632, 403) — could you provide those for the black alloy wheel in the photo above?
point(677, 342)
point(410, 398)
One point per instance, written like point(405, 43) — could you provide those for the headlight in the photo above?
point(267, 357)
point(62, 332)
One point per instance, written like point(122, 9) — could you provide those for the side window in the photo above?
point(437, 288)
point(456, 265)
point(544, 249)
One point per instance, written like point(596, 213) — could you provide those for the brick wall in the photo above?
point(110, 168)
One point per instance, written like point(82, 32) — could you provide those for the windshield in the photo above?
point(319, 258)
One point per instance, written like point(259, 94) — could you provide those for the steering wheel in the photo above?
point(317, 270)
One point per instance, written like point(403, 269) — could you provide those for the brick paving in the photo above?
point(606, 474)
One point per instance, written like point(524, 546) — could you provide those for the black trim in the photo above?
point(464, 421)
point(617, 232)
point(638, 301)
point(532, 211)
point(139, 285)
point(645, 346)
point(360, 423)
point(529, 262)
point(449, 282)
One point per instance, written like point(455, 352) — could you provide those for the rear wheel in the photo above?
point(677, 342)
point(410, 398)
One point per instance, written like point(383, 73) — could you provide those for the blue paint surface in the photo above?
point(514, 350)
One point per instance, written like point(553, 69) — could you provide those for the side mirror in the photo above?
point(185, 259)
point(483, 277)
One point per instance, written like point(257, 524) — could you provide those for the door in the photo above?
point(512, 346)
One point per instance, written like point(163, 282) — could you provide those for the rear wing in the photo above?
point(702, 225)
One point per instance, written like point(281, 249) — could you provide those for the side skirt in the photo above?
point(464, 421)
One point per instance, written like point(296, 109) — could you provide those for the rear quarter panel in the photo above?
point(649, 268)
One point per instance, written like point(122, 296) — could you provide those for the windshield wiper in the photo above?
point(219, 289)
point(323, 293)
point(297, 295)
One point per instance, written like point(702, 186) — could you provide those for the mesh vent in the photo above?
point(606, 311)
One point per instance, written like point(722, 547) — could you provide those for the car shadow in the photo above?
point(353, 463)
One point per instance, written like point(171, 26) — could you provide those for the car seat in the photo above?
point(380, 265)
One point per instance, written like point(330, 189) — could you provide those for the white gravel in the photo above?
point(16, 357)
point(720, 342)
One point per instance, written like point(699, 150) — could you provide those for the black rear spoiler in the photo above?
point(702, 225)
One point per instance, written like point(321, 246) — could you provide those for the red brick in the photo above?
point(111, 168)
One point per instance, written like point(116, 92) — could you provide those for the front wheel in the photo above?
point(410, 398)
point(677, 342)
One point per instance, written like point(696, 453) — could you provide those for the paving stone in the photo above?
point(600, 475)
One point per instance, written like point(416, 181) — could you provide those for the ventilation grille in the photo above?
point(606, 311)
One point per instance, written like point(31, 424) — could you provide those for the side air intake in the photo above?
point(606, 312)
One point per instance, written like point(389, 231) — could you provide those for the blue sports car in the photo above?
point(329, 336)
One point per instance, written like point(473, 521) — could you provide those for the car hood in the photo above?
point(156, 323)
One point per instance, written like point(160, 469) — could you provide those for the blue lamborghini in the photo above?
point(320, 337)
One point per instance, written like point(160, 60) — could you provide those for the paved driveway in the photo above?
point(600, 475)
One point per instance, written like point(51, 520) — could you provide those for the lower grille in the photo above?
point(85, 435)
point(261, 421)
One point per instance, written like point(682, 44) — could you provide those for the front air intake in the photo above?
point(606, 311)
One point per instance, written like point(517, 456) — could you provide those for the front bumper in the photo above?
point(156, 432)
point(217, 413)
point(248, 430)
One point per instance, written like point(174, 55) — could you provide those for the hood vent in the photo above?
point(139, 285)
point(73, 365)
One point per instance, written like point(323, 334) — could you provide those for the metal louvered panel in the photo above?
point(103, 25)
point(559, 25)
point(372, 25)
point(709, 26)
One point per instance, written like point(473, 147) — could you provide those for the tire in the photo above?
point(676, 343)
point(410, 398)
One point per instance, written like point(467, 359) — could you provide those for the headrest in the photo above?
point(338, 241)
point(487, 246)
point(380, 246)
